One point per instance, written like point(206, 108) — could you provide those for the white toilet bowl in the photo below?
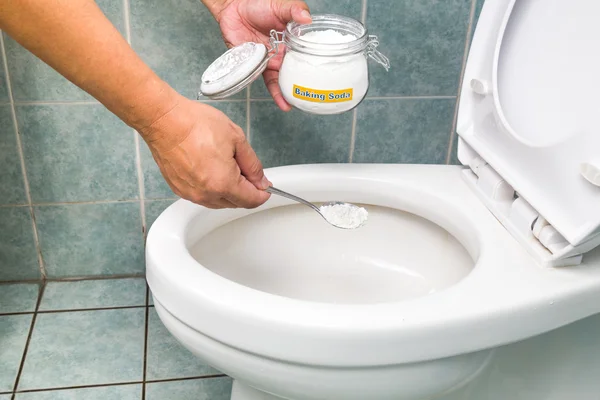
point(285, 319)
point(453, 261)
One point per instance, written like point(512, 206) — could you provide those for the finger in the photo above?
point(244, 194)
point(219, 204)
point(293, 10)
point(272, 82)
point(250, 166)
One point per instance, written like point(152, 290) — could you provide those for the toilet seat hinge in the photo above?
point(515, 213)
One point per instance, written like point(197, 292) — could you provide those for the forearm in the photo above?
point(76, 39)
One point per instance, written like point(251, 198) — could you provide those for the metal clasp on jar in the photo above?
point(275, 39)
point(375, 54)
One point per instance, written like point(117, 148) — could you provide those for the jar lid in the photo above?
point(234, 70)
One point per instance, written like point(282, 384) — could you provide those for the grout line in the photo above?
point(260, 100)
point(99, 385)
point(460, 81)
point(363, 20)
point(353, 135)
point(136, 138)
point(16, 313)
point(23, 281)
point(127, 21)
point(73, 310)
point(163, 199)
point(145, 362)
point(94, 277)
point(410, 98)
point(74, 279)
point(67, 203)
point(384, 98)
point(248, 114)
point(57, 103)
point(191, 378)
point(29, 335)
point(140, 176)
point(36, 239)
point(363, 14)
point(222, 101)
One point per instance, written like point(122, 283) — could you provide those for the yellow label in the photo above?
point(322, 96)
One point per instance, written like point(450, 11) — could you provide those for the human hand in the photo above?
point(251, 21)
point(205, 157)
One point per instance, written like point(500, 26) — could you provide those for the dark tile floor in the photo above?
point(95, 339)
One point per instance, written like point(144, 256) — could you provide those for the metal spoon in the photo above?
point(290, 196)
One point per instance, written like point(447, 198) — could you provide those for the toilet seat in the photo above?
point(507, 295)
point(527, 123)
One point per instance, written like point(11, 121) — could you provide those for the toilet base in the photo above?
point(245, 392)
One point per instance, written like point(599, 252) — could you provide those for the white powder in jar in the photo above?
point(324, 84)
point(344, 215)
point(328, 36)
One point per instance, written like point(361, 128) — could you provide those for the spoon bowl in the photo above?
point(340, 214)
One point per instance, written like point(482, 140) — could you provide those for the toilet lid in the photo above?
point(530, 107)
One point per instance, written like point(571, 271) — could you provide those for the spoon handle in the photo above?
point(276, 191)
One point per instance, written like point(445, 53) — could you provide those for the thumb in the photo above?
point(288, 10)
point(250, 165)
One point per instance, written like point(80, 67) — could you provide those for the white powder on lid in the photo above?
point(328, 36)
point(232, 68)
point(228, 62)
point(344, 215)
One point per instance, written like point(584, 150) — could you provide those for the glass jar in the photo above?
point(325, 68)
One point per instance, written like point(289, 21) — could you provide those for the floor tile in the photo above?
point(167, 358)
point(14, 330)
point(404, 131)
point(178, 39)
point(154, 183)
point(349, 8)
point(18, 255)
point(20, 297)
point(5, 396)
point(91, 239)
point(154, 208)
point(77, 153)
point(424, 40)
point(298, 138)
point(121, 392)
point(33, 80)
point(12, 186)
point(197, 389)
point(85, 348)
point(101, 293)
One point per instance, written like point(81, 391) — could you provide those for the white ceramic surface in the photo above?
point(290, 251)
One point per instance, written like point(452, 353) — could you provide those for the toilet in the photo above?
point(454, 262)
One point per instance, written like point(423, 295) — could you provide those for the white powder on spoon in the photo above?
point(344, 215)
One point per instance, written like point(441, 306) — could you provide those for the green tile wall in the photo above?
point(78, 204)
